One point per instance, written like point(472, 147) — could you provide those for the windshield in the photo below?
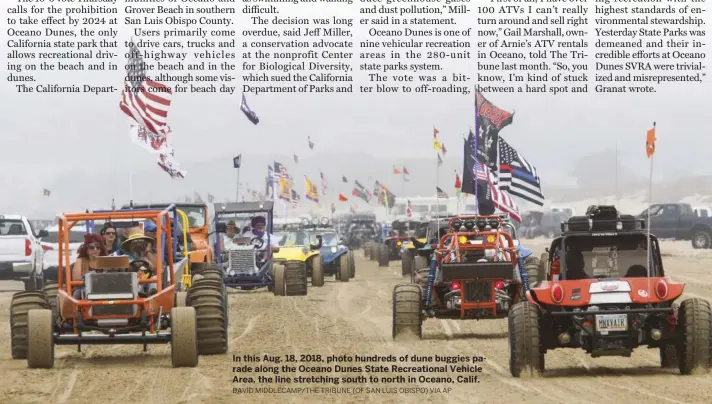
point(293, 239)
point(606, 257)
point(74, 237)
point(329, 239)
point(242, 220)
point(196, 215)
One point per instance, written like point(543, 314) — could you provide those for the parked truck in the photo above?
point(678, 221)
point(21, 252)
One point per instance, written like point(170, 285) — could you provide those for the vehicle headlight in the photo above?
point(232, 272)
point(333, 249)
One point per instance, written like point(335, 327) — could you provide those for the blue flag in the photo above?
point(237, 161)
point(248, 112)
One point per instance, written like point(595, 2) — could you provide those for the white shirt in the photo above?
point(272, 238)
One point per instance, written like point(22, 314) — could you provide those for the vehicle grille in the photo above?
point(242, 261)
point(478, 292)
point(111, 283)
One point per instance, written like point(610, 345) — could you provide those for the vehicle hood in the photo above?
point(294, 253)
point(587, 292)
point(330, 253)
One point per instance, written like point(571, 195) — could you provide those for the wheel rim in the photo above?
point(701, 240)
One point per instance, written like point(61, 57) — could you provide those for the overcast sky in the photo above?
point(43, 135)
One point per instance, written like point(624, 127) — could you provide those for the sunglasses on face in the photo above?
point(110, 233)
point(92, 247)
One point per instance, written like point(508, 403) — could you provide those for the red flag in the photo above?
point(435, 133)
point(396, 171)
point(342, 198)
point(442, 148)
point(458, 183)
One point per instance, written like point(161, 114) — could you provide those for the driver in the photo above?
point(139, 247)
point(258, 231)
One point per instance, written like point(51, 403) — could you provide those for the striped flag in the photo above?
point(142, 99)
point(500, 198)
point(295, 198)
point(517, 175)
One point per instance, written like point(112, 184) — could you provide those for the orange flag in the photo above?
point(650, 142)
point(342, 198)
point(396, 171)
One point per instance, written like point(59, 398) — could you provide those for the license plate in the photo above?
point(612, 322)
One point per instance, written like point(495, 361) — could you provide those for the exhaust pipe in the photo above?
point(656, 334)
point(564, 338)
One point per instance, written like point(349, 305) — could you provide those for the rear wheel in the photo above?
point(693, 335)
point(40, 341)
point(407, 262)
point(407, 310)
point(525, 351)
point(352, 264)
point(383, 255)
point(342, 273)
point(295, 278)
point(279, 286)
point(367, 250)
point(20, 305)
point(209, 299)
point(184, 337)
point(317, 273)
point(532, 267)
point(51, 291)
point(374, 251)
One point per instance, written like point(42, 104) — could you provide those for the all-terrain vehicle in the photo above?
point(337, 260)
point(196, 215)
point(390, 248)
point(298, 247)
point(120, 301)
point(606, 293)
point(248, 263)
point(473, 274)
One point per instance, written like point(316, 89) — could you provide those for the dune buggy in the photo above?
point(336, 259)
point(390, 248)
point(606, 292)
point(249, 263)
point(473, 274)
point(298, 249)
point(119, 301)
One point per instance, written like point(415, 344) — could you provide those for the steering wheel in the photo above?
point(257, 243)
point(141, 265)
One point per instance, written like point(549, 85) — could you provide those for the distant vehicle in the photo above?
point(678, 221)
point(20, 251)
point(50, 246)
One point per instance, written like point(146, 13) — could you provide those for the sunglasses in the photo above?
point(110, 233)
point(93, 247)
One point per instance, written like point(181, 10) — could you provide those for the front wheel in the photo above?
point(525, 351)
point(407, 310)
point(317, 272)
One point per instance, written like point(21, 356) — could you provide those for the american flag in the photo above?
point(144, 100)
point(500, 198)
point(478, 169)
point(517, 175)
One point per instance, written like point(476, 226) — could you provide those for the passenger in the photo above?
point(93, 246)
point(110, 238)
point(575, 264)
point(228, 236)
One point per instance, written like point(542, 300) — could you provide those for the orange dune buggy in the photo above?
point(120, 302)
point(473, 275)
point(599, 295)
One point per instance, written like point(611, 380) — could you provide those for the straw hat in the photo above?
point(133, 237)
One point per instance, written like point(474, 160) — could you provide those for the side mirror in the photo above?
point(220, 227)
point(43, 233)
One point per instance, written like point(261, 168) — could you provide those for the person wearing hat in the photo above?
point(258, 225)
point(139, 246)
point(229, 235)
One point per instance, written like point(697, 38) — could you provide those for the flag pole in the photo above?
point(476, 151)
point(650, 199)
point(617, 189)
point(237, 186)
